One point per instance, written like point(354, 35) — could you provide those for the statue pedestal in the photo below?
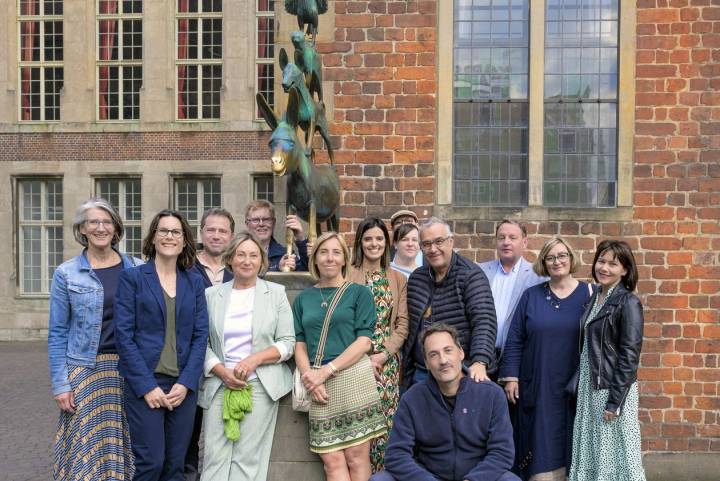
point(291, 458)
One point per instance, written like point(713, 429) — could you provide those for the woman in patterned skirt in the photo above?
point(370, 262)
point(92, 440)
point(606, 436)
point(345, 414)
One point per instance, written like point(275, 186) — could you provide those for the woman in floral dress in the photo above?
point(371, 267)
point(606, 435)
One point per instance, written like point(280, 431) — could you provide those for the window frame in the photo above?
point(535, 208)
point(198, 62)
point(40, 64)
point(268, 178)
point(120, 63)
point(44, 224)
point(263, 61)
point(122, 204)
point(200, 207)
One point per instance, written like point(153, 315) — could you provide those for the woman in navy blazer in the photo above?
point(161, 330)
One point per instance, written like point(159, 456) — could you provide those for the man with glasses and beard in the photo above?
point(260, 221)
point(453, 290)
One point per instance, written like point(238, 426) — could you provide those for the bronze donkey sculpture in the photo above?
point(311, 114)
point(313, 191)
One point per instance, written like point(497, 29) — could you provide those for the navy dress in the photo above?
point(542, 351)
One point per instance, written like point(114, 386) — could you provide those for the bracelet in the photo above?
point(332, 368)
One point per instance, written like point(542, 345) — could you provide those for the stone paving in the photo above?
point(28, 416)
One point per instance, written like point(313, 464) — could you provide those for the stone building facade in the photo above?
point(606, 117)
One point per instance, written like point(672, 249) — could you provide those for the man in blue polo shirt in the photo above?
point(260, 221)
point(448, 427)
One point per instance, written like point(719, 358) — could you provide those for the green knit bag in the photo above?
point(235, 404)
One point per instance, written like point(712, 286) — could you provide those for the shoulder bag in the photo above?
point(301, 398)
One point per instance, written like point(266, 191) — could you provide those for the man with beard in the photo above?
point(449, 427)
point(216, 230)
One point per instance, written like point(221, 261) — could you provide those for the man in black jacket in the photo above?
point(453, 290)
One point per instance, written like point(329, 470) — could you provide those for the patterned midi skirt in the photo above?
point(94, 442)
point(353, 415)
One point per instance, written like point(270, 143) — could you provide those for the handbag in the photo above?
point(301, 398)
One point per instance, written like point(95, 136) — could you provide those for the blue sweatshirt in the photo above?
point(472, 442)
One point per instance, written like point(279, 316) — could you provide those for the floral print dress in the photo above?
point(604, 451)
point(387, 386)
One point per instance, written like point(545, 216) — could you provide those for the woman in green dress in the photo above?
point(606, 435)
point(345, 414)
point(370, 262)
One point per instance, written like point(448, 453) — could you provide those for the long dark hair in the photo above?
point(623, 254)
point(365, 225)
point(187, 257)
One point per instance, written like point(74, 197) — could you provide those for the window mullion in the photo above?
point(536, 103)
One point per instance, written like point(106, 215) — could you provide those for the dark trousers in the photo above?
point(385, 476)
point(159, 437)
point(193, 452)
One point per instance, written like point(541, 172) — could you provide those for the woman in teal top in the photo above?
point(346, 412)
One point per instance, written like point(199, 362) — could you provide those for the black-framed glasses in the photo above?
point(427, 245)
point(259, 220)
point(163, 232)
point(562, 258)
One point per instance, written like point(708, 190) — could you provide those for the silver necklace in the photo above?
point(324, 302)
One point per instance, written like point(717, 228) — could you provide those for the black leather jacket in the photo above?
point(615, 337)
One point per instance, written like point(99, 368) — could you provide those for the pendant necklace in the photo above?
point(324, 302)
point(549, 297)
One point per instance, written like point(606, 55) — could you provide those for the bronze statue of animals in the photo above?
point(313, 191)
point(308, 60)
point(311, 114)
point(307, 12)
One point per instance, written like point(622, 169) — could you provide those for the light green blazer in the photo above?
point(272, 324)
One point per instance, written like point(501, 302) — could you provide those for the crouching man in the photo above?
point(448, 427)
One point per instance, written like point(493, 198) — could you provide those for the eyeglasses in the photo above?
point(95, 223)
point(176, 233)
point(260, 220)
point(427, 245)
point(562, 258)
point(403, 220)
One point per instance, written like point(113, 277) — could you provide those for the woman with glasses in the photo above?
point(82, 351)
point(606, 436)
point(406, 240)
point(371, 254)
point(541, 355)
point(161, 330)
point(345, 414)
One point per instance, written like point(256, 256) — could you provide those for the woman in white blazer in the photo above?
point(251, 337)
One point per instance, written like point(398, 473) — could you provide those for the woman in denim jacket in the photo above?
point(81, 349)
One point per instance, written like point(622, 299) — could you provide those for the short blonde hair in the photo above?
point(229, 253)
point(320, 241)
point(539, 265)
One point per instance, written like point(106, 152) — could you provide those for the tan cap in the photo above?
point(402, 213)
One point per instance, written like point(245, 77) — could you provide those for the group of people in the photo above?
point(420, 364)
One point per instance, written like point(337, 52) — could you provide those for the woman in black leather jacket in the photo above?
point(606, 435)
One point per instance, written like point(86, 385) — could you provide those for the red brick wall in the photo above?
point(382, 62)
point(231, 146)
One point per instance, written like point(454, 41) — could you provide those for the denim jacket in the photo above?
point(76, 310)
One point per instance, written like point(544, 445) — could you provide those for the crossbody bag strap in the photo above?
point(326, 325)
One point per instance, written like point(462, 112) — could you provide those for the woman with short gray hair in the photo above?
point(83, 358)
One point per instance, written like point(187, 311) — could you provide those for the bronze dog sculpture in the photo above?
point(311, 114)
point(313, 191)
